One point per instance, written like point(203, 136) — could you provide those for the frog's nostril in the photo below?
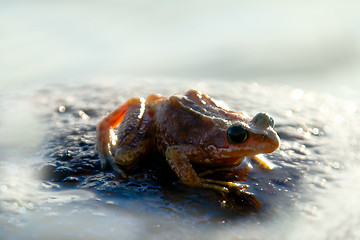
point(263, 120)
point(272, 122)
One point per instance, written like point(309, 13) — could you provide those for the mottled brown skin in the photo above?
point(188, 129)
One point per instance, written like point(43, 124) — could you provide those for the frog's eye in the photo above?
point(237, 134)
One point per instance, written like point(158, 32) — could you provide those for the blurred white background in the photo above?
point(306, 44)
point(309, 45)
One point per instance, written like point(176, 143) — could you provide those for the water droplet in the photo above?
point(320, 182)
point(315, 131)
point(83, 115)
point(62, 109)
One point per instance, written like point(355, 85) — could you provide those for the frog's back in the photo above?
point(187, 118)
point(198, 103)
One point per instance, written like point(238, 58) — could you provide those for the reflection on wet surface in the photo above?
point(315, 170)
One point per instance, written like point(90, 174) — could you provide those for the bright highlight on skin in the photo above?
point(142, 107)
point(113, 137)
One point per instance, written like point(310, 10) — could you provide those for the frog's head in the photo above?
point(243, 137)
point(255, 136)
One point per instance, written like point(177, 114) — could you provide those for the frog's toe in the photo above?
point(221, 186)
point(216, 187)
point(222, 183)
point(118, 170)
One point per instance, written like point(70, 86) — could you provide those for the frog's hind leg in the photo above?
point(131, 143)
point(106, 139)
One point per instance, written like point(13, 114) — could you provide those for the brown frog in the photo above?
point(189, 129)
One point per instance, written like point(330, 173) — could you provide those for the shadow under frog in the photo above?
point(192, 132)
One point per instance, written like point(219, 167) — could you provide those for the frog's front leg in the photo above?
point(178, 159)
point(130, 144)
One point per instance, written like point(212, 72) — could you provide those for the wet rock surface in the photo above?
point(72, 161)
point(315, 170)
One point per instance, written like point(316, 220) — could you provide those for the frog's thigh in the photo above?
point(105, 140)
point(130, 154)
point(132, 141)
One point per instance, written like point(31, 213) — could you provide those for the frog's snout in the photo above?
point(263, 120)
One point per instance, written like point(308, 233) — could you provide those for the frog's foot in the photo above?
point(239, 201)
point(261, 161)
point(117, 170)
point(233, 196)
